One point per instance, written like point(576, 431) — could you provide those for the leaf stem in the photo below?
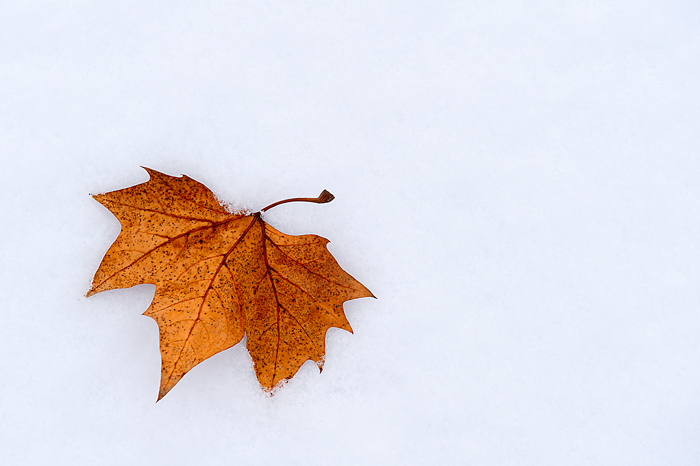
point(322, 198)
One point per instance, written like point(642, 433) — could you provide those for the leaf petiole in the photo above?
point(322, 198)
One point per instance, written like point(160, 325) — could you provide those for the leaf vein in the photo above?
point(308, 269)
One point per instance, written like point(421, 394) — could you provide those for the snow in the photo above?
point(516, 182)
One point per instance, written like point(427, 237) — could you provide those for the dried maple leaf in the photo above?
point(220, 275)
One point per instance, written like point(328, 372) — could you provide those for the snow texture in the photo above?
point(517, 182)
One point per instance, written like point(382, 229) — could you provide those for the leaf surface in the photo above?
point(222, 275)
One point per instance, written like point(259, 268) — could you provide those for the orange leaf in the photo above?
point(220, 275)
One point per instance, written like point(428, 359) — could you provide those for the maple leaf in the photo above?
point(220, 275)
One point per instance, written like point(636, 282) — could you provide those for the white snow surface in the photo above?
point(517, 183)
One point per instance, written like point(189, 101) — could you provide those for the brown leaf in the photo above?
point(220, 275)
